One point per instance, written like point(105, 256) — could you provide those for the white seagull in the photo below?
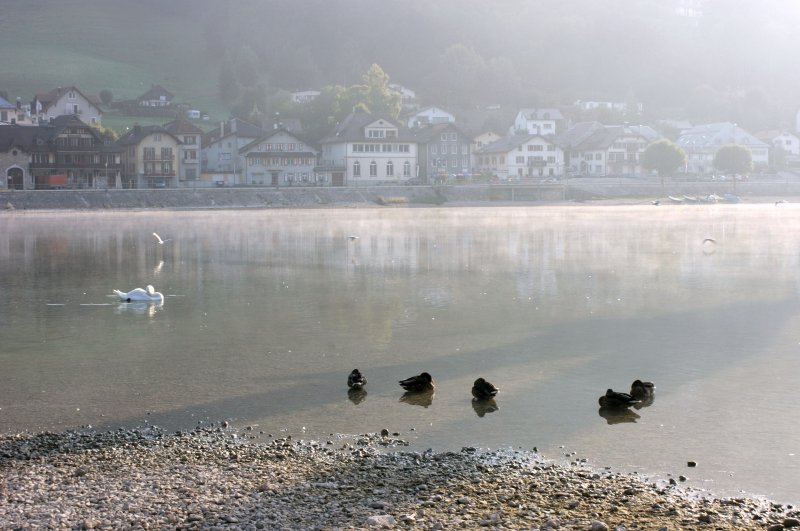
point(160, 241)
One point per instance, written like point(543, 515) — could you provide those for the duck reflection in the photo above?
point(482, 406)
point(418, 398)
point(617, 415)
point(356, 394)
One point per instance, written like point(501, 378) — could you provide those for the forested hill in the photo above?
point(737, 58)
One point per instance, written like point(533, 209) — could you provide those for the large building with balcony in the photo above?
point(149, 158)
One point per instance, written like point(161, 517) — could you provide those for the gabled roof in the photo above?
point(432, 132)
point(155, 93)
point(351, 129)
point(25, 137)
point(272, 133)
point(591, 136)
point(718, 134)
point(140, 132)
point(541, 114)
point(4, 104)
point(508, 143)
point(182, 126)
point(581, 134)
point(242, 129)
point(47, 99)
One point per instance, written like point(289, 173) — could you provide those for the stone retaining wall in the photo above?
point(205, 198)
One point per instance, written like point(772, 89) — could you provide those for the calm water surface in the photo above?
point(267, 312)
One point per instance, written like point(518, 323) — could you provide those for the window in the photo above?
point(157, 137)
point(149, 153)
point(444, 137)
point(434, 149)
point(189, 140)
point(373, 169)
point(453, 137)
point(356, 169)
point(166, 153)
point(521, 160)
point(406, 169)
point(454, 163)
point(390, 169)
point(375, 133)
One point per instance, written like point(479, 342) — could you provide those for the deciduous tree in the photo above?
point(663, 156)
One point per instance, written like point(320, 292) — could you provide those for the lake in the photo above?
point(266, 312)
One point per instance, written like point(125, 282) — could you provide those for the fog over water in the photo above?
point(266, 313)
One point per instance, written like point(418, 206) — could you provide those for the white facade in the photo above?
point(787, 142)
point(702, 142)
point(517, 158)
point(428, 116)
point(305, 96)
point(67, 101)
point(536, 122)
point(280, 159)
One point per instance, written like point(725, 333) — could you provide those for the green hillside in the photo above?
point(96, 45)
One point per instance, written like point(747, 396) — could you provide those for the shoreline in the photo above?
point(223, 477)
point(446, 196)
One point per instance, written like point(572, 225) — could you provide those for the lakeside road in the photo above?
point(218, 478)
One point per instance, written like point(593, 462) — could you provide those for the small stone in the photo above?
point(791, 522)
point(775, 527)
point(597, 525)
point(691, 464)
point(384, 432)
point(704, 518)
point(682, 478)
point(384, 521)
point(464, 500)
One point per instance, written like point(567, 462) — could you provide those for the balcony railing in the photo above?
point(330, 164)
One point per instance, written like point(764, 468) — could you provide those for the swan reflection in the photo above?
point(139, 307)
point(484, 406)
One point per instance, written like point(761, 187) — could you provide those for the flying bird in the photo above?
point(160, 241)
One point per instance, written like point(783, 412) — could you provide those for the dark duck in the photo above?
point(615, 399)
point(483, 390)
point(419, 383)
point(356, 380)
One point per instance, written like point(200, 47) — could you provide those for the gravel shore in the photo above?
point(221, 478)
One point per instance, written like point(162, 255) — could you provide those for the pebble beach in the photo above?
point(226, 478)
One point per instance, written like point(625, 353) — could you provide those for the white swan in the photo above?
point(139, 294)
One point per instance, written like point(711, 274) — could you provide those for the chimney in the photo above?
point(137, 129)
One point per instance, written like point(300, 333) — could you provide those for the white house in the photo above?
point(428, 116)
point(280, 159)
point(537, 122)
point(305, 96)
point(701, 143)
point(478, 142)
point(592, 148)
point(519, 157)
point(66, 101)
point(781, 140)
point(189, 150)
point(406, 94)
point(370, 149)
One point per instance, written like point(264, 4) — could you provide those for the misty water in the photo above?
point(266, 313)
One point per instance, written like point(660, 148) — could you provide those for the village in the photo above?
point(58, 142)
